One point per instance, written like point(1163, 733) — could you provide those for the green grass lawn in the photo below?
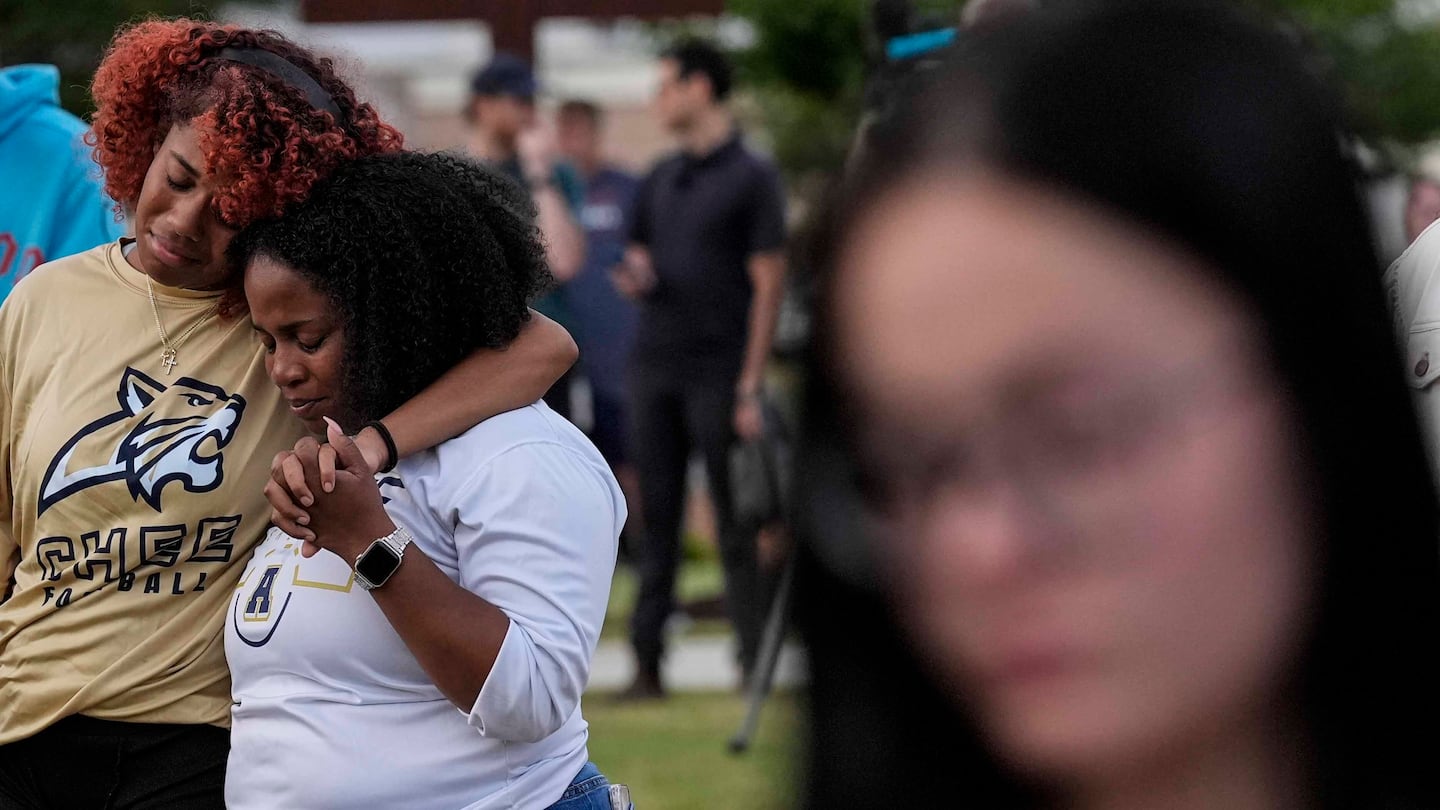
point(673, 753)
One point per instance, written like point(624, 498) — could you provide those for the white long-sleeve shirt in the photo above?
point(1412, 285)
point(332, 710)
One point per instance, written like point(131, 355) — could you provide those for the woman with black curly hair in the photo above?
point(474, 576)
point(137, 427)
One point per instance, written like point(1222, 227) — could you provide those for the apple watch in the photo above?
point(378, 563)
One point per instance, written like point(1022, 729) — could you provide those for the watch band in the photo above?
point(398, 540)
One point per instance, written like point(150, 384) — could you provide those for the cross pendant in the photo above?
point(167, 359)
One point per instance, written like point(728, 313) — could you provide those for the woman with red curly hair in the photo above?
point(138, 427)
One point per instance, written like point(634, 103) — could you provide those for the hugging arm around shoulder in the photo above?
point(487, 383)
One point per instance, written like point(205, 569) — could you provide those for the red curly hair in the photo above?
point(258, 133)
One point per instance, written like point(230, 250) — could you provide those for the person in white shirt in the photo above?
point(1412, 288)
point(423, 641)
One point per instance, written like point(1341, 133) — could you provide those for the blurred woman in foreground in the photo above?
point(1112, 485)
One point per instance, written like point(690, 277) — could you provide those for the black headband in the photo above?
point(282, 68)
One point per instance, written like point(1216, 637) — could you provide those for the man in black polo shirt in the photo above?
point(706, 264)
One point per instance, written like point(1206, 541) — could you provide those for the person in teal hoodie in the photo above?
point(52, 201)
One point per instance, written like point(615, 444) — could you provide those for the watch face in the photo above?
point(377, 563)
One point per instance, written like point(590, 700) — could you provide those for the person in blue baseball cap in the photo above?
point(506, 134)
point(507, 75)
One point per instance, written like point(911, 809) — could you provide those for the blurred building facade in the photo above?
point(417, 71)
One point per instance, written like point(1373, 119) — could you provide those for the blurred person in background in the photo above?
point(52, 197)
point(1112, 495)
point(138, 426)
point(908, 47)
point(603, 321)
point(706, 264)
point(506, 133)
point(1412, 288)
point(1422, 205)
point(985, 13)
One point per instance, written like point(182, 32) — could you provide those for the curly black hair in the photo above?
point(426, 257)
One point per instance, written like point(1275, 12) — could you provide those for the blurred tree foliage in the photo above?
point(807, 67)
point(1388, 56)
point(72, 34)
point(806, 71)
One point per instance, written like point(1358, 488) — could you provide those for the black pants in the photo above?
point(85, 764)
point(673, 417)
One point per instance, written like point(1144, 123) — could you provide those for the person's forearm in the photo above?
point(486, 383)
point(453, 634)
point(564, 241)
point(764, 312)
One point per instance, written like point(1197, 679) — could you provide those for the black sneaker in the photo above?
point(646, 686)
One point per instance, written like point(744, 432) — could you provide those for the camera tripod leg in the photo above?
point(763, 674)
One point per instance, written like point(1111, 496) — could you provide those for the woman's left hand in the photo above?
point(347, 519)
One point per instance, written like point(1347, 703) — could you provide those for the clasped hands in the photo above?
point(326, 495)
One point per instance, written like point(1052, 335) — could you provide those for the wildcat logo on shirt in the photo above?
point(159, 436)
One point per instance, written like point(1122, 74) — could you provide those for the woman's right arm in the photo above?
point(486, 383)
point(511, 643)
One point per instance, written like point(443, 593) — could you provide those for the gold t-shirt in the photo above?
point(130, 495)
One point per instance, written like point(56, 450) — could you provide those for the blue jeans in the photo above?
point(590, 790)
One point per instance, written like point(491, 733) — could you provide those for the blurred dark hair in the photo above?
point(588, 110)
point(426, 257)
point(1207, 127)
point(505, 75)
point(698, 56)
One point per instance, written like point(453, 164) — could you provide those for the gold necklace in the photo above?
point(169, 357)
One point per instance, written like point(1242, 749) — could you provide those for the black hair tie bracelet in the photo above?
point(394, 457)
